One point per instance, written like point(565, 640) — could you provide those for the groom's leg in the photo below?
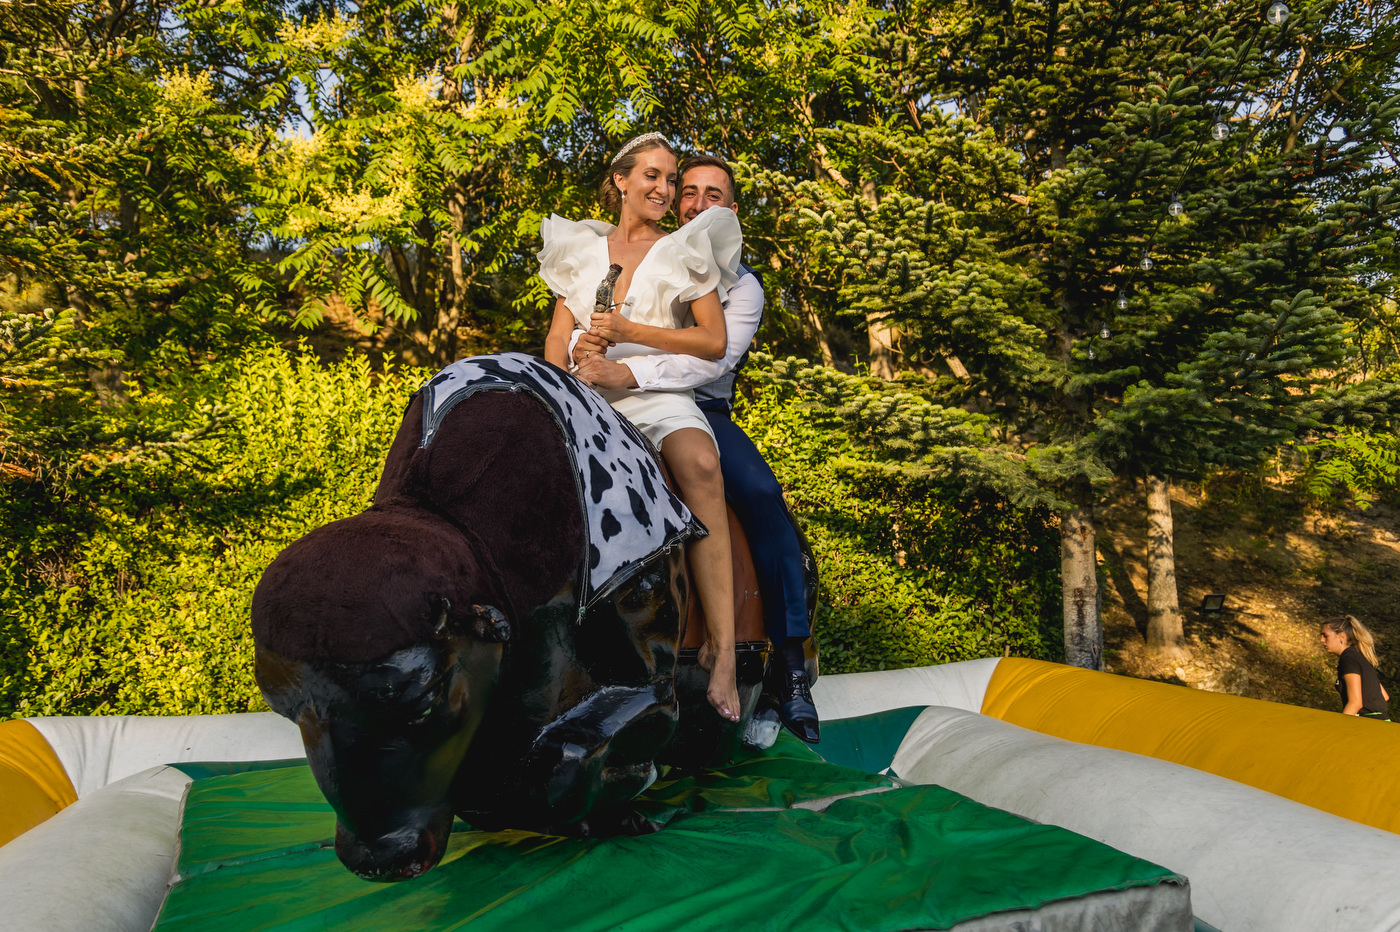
point(757, 498)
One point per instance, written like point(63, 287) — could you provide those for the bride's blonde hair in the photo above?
point(1357, 635)
point(624, 162)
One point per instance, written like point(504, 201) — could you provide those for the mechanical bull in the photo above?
point(498, 636)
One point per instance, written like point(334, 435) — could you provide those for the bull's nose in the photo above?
point(399, 855)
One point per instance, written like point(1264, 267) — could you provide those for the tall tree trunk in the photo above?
point(1080, 579)
point(1164, 633)
point(813, 325)
point(883, 334)
point(452, 295)
point(807, 316)
point(451, 312)
point(76, 299)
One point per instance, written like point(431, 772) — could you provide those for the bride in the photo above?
point(670, 303)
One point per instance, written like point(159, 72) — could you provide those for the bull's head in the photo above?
point(386, 677)
point(385, 738)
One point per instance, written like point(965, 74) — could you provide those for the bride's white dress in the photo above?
point(700, 257)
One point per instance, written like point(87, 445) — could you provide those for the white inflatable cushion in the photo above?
point(98, 750)
point(61, 876)
point(956, 685)
point(1256, 862)
point(1165, 907)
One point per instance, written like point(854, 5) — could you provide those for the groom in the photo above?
point(749, 484)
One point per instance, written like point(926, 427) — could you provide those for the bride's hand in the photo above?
point(612, 327)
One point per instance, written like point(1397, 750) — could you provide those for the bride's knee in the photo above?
point(705, 465)
point(693, 461)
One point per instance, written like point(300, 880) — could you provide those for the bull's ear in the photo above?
point(489, 623)
point(444, 611)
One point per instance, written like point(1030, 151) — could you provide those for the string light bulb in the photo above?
point(1103, 331)
point(1147, 262)
point(1220, 131)
point(1122, 300)
point(1176, 208)
point(1278, 13)
point(1090, 354)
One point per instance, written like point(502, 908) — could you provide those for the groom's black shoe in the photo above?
point(797, 711)
point(795, 707)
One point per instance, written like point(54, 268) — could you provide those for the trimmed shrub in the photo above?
point(913, 572)
point(133, 596)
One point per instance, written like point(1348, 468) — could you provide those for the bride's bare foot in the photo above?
point(723, 692)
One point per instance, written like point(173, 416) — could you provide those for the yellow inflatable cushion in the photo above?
point(1333, 762)
point(33, 783)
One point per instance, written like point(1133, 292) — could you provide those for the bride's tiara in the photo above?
point(640, 141)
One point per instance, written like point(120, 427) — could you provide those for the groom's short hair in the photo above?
point(696, 161)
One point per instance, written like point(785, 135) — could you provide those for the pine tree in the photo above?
point(1147, 234)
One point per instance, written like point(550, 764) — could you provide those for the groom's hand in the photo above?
point(605, 374)
point(589, 345)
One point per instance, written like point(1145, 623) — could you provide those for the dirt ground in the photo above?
point(1282, 572)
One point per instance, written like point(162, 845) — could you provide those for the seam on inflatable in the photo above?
point(816, 805)
point(175, 876)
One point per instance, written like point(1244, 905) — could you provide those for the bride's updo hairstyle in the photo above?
point(624, 162)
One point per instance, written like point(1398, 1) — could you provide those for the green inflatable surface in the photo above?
point(868, 742)
point(780, 839)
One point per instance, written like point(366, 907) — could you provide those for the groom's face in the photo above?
point(702, 187)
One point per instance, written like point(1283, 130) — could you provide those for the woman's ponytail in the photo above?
point(1357, 635)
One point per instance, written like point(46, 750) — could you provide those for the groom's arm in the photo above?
point(675, 372)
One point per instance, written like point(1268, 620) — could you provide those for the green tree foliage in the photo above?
point(122, 190)
point(61, 432)
point(122, 205)
point(975, 181)
point(1016, 224)
point(1353, 464)
point(1362, 464)
point(429, 151)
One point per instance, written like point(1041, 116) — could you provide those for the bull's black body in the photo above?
point(431, 651)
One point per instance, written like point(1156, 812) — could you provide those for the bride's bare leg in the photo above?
point(694, 462)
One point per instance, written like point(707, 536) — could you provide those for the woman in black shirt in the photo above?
point(1358, 683)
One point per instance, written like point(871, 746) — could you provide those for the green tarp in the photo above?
point(737, 852)
point(868, 742)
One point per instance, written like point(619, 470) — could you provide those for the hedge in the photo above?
point(133, 595)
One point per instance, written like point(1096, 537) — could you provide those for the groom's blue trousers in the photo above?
point(757, 500)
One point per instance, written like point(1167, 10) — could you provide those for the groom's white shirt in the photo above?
point(656, 371)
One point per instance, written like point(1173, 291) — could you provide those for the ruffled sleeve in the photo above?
point(700, 257)
point(572, 262)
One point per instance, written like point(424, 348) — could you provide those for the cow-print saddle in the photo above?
point(630, 513)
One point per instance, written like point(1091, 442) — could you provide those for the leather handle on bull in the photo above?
point(490, 624)
point(602, 300)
